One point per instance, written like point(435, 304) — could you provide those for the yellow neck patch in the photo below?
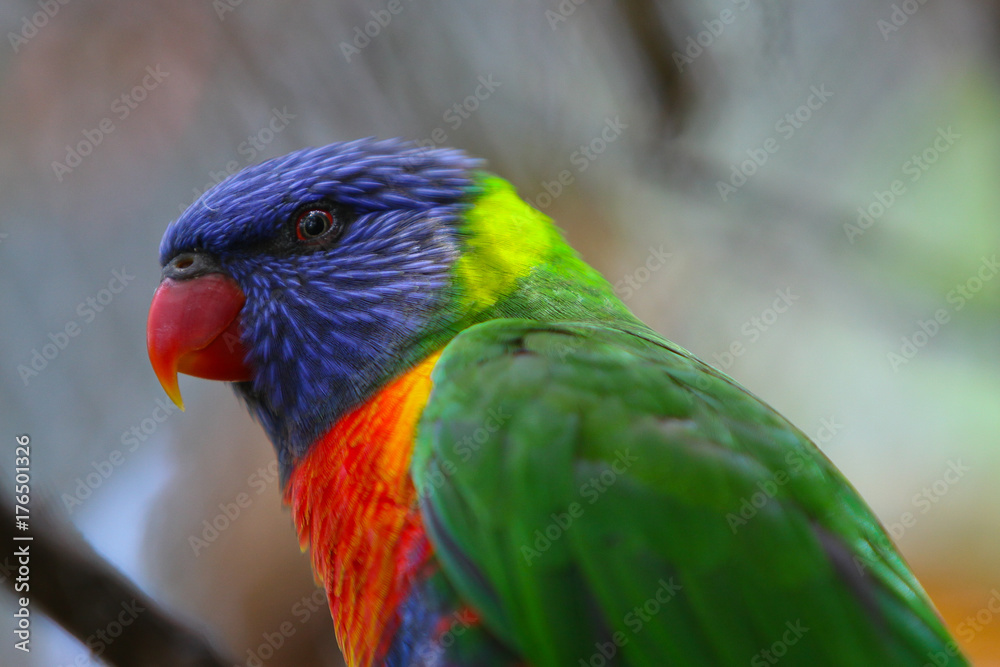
point(504, 240)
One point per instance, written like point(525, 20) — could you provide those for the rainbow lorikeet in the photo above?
point(492, 461)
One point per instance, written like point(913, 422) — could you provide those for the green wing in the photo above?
point(602, 497)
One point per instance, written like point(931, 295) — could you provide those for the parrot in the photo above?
point(490, 460)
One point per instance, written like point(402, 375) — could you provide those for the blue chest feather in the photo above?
point(437, 631)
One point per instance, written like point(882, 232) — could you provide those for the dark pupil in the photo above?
point(314, 224)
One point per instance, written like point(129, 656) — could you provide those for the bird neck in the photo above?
point(514, 262)
point(354, 504)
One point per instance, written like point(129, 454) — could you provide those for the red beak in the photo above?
point(194, 328)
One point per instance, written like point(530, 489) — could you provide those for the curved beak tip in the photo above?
point(173, 391)
point(176, 398)
point(163, 359)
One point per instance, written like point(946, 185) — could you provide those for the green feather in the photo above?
point(582, 480)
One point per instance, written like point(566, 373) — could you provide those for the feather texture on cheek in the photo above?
point(355, 506)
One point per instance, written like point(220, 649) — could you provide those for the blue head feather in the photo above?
point(324, 329)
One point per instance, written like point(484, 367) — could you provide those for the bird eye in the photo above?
point(316, 224)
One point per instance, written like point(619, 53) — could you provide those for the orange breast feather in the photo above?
point(354, 506)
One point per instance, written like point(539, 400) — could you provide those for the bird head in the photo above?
point(311, 279)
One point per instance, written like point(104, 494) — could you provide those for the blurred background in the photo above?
point(806, 196)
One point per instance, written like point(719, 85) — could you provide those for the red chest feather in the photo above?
point(354, 505)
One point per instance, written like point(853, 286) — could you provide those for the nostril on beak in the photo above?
point(190, 265)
